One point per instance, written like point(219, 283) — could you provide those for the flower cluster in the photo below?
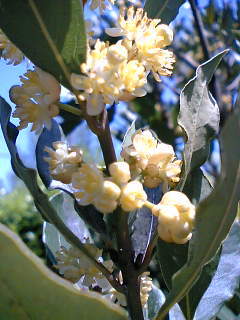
point(146, 40)
point(119, 71)
point(154, 160)
point(106, 193)
point(74, 265)
point(36, 99)
point(9, 51)
point(176, 216)
point(63, 161)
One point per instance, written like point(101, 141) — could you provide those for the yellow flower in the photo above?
point(9, 51)
point(120, 172)
point(108, 76)
point(106, 202)
point(35, 99)
point(132, 196)
point(88, 182)
point(176, 216)
point(92, 188)
point(63, 161)
point(148, 37)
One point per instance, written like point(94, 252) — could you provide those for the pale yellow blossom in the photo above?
point(132, 196)
point(153, 159)
point(92, 188)
point(36, 99)
point(120, 172)
point(88, 182)
point(149, 38)
point(73, 264)
point(108, 76)
point(176, 216)
point(63, 161)
point(9, 51)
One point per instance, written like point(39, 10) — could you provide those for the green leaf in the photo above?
point(155, 301)
point(166, 10)
point(225, 280)
point(64, 23)
point(198, 116)
point(29, 290)
point(215, 215)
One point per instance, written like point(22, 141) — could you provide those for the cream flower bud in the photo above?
point(105, 205)
point(133, 196)
point(181, 202)
point(120, 172)
point(175, 217)
point(110, 190)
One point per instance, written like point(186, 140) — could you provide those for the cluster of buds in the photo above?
point(9, 51)
point(63, 161)
point(155, 161)
point(106, 193)
point(176, 216)
point(119, 71)
point(36, 99)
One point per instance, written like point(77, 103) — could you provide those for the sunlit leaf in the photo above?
point(198, 116)
point(29, 290)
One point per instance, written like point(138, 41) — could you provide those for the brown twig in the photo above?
point(131, 279)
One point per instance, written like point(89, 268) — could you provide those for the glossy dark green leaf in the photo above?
point(63, 21)
point(198, 116)
point(215, 215)
point(226, 278)
point(166, 10)
point(29, 290)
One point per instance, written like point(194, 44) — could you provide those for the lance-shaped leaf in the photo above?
point(29, 290)
point(215, 215)
point(198, 116)
point(166, 10)
point(40, 27)
point(226, 279)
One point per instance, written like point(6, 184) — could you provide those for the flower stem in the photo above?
point(105, 140)
point(68, 108)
